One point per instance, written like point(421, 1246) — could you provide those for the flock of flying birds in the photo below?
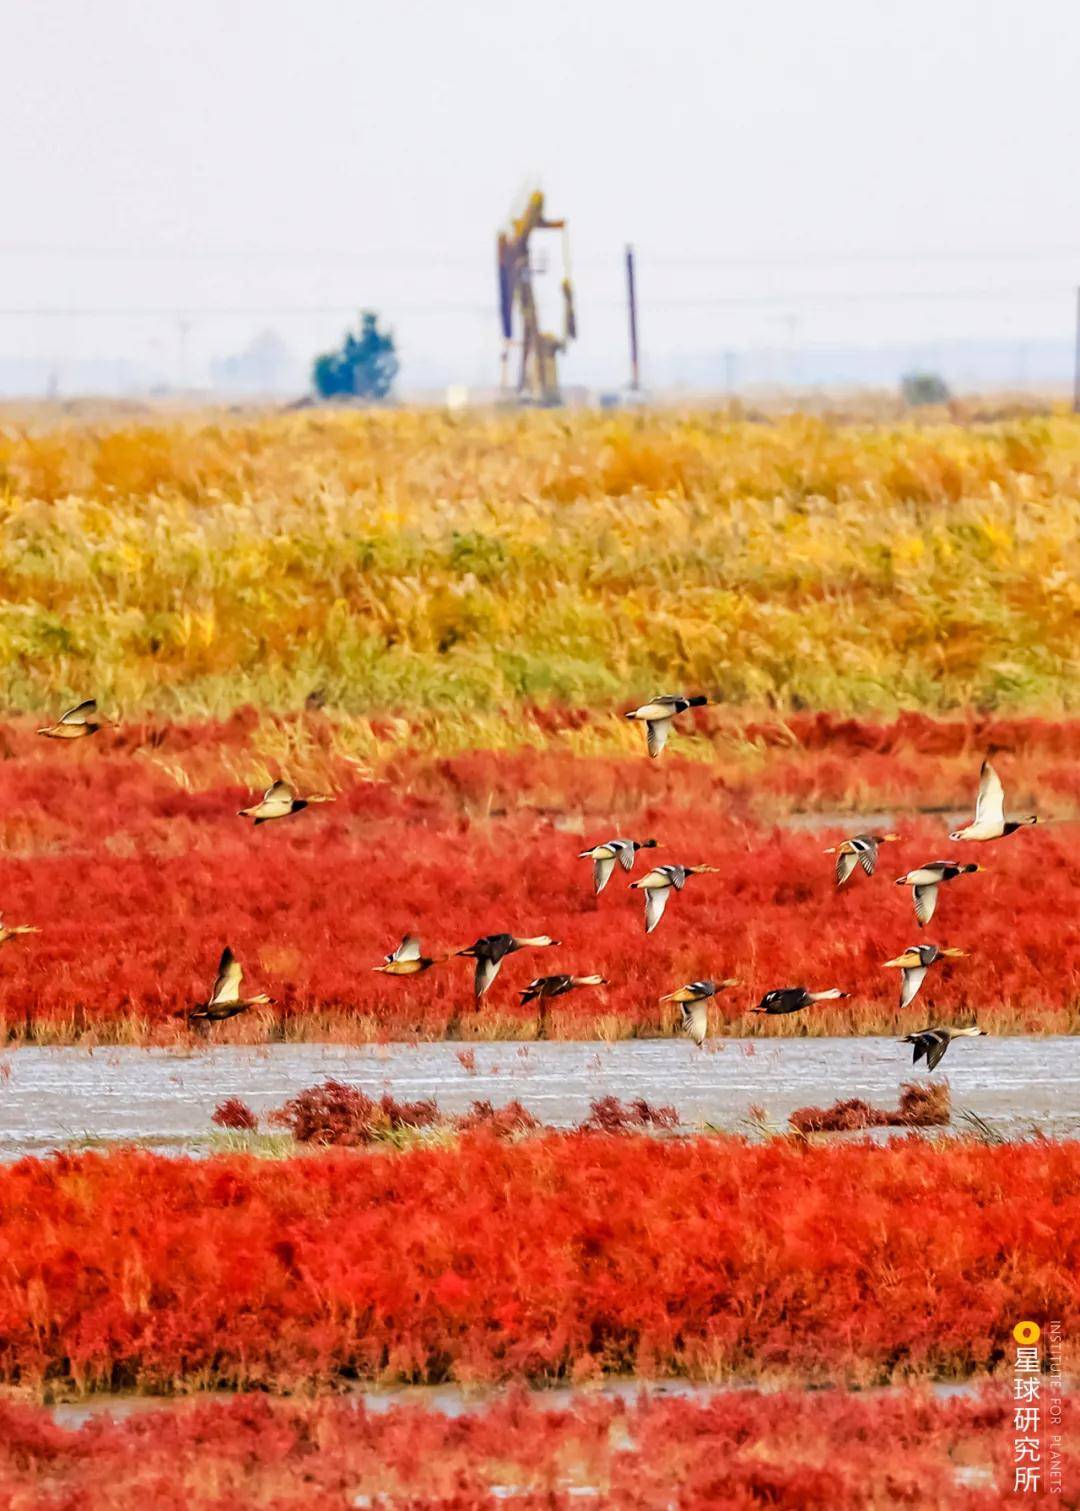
point(658, 884)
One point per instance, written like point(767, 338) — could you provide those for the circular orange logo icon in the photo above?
point(1027, 1332)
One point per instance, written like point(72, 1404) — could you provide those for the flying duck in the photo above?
point(859, 851)
point(406, 960)
point(9, 930)
point(556, 986)
point(225, 1000)
point(490, 951)
point(657, 715)
point(76, 724)
point(692, 999)
point(278, 801)
point(792, 999)
point(604, 857)
point(658, 885)
point(914, 963)
point(989, 821)
point(924, 882)
point(933, 1042)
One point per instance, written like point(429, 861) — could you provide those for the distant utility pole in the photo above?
point(631, 304)
point(1076, 360)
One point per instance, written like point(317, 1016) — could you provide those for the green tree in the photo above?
point(365, 364)
point(924, 388)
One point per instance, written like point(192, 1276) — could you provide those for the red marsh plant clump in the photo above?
point(235, 1115)
point(166, 876)
point(553, 1257)
point(820, 1451)
point(334, 1113)
point(337, 1114)
point(925, 1104)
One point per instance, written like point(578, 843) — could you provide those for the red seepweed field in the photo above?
point(825, 1451)
point(560, 1257)
point(128, 854)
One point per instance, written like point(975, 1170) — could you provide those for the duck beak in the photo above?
point(896, 964)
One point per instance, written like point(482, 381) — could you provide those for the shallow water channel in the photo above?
point(55, 1097)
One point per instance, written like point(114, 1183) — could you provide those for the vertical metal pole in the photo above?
point(1076, 362)
point(631, 300)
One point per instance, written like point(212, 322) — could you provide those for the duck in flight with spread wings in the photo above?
point(10, 930)
point(861, 850)
point(225, 999)
point(75, 724)
point(792, 999)
point(989, 821)
point(658, 714)
point(914, 964)
point(658, 885)
point(605, 855)
point(925, 881)
point(556, 986)
point(491, 950)
point(693, 1000)
point(406, 960)
point(933, 1042)
point(278, 801)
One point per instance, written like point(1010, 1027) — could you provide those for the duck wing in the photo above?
point(227, 986)
point(925, 899)
point(601, 873)
point(990, 803)
point(846, 861)
point(695, 1021)
point(81, 713)
point(486, 971)
point(656, 900)
point(911, 979)
point(408, 949)
point(624, 853)
point(937, 1044)
point(656, 733)
point(918, 1041)
point(868, 856)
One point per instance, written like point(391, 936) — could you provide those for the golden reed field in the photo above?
point(426, 565)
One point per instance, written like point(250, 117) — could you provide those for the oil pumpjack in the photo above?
point(537, 377)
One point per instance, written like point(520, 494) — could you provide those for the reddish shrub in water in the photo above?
point(337, 1114)
point(548, 1257)
point(923, 1104)
point(507, 1121)
point(235, 1114)
point(610, 1115)
point(819, 1451)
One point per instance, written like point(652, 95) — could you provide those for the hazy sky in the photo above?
point(267, 156)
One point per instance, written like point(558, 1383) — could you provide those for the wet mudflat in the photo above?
point(53, 1097)
point(454, 1400)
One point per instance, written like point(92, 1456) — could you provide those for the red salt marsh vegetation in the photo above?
point(130, 858)
point(827, 1451)
point(559, 1257)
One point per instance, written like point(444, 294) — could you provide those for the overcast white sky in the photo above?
point(265, 155)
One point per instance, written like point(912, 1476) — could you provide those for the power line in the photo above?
point(769, 300)
point(422, 259)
